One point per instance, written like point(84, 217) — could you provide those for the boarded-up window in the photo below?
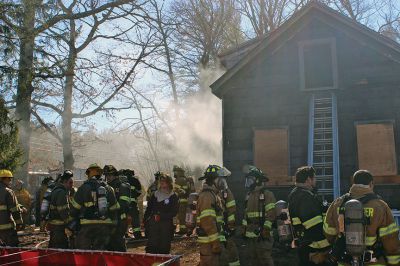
point(376, 149)
point(271, 151)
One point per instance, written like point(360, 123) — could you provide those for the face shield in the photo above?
point(250, 182)
point(224, 172)
point(220, 183)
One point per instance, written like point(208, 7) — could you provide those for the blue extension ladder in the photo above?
point(323, 144)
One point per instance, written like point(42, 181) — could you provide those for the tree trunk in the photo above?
point(25, 88)
point(67, 112)
point(171, 77)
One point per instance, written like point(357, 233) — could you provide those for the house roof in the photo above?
point(235, 59)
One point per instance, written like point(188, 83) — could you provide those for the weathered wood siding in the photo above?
point(266, 94)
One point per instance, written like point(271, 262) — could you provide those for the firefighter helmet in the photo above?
point(158, 174)
point(67, 174)
point(178, 171)
point(128, 172)
point(110, 170)
point(224, 172)
point(252, 171)
point(211, 172)
point(5, 173)
point(94, 170)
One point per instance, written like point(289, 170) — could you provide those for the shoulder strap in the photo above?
point(246, 200)
point(261, 200)
point(346, 198)
point(368, 197)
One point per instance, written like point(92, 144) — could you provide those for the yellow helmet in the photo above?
point(5, 173)
point(94, 170)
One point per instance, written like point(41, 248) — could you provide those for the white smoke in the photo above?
point(195, 140)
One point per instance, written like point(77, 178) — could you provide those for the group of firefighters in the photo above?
point(358, 228)
point(96, 216)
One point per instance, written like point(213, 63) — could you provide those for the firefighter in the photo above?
point(209, 207)
point(59, 212)
point(159, 215)
point(95, 207)
point(306, 214)
point(135, 192)
point(123, 196)
point(259, 215)
point(381, 231)
point(153, 187)
point(230, 255)
point(38, 201)
point(182, 189)
point(151, 190)
point(24, 199)
point(10, 214)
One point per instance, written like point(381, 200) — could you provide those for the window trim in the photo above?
point(302, 45)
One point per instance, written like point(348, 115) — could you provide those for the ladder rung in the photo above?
point(323, 109)
point(322, 119)
point(322, 141)
point(325, 164)
point(323, 152)
point(323, 130)
point(323, 100)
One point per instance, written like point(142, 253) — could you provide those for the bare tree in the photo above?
point(75, 68)
point(28, 19)
point(389, 13)
point(204, 29)
point(265, 15)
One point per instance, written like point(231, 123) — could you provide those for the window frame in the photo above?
point(303, 44)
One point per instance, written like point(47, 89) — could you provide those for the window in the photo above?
point(318, 64)
point(376, 148)
point(271, 152)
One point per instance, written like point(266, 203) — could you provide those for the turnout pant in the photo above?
point(258, 252)
point(182, 215)
point(58, 239)
point(207, 257)
point(93, 237)
point(9, 238)
point(134, 213)
point(229, 255)
point(117, 237)
point(160, 236)
point(304, 258)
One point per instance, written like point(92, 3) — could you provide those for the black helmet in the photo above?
point(67, 174)
point(109, 170)
point(211, 172)
point(252, 171)
point(127, 172)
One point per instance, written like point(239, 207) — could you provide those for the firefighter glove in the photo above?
point(68, 232)
point(319, 257)
point(265, 234)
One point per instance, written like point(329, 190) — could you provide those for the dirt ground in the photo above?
point(185, 247)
